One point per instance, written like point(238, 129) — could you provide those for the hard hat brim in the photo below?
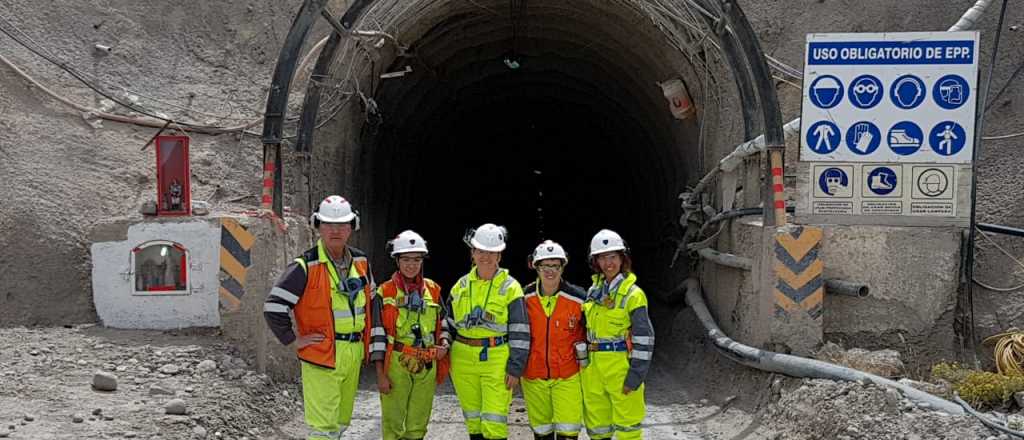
point(607, 250)
point(420, 249)
point(476, 244)
point(343, 219)
point(550, 257)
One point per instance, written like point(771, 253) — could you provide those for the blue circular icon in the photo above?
point(947, 138)
point(905, 138)
point(951, 92)
point(826, 91)
point(832, 180)
point(907, 92)
point(863, 138)
point(823, 137)
point(865, 91)
point(882, 181)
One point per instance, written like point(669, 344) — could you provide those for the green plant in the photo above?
point(979, 388)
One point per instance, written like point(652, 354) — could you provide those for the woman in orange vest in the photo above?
point(418, 340)
point(551, 383)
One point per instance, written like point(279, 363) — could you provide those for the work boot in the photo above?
point(543, 437)
point(476, 437)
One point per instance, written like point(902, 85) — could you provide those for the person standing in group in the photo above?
point(413, 319)
point(551, 384)
point(621, 342)
point(329, 289)
point(492, 340)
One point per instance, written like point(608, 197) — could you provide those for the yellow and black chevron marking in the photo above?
point(799, 286)
point(235, 245)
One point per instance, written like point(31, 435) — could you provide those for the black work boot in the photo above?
point(476, 437)
point(543, 437)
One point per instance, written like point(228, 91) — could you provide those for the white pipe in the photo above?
point(797, 366)
point(971, 16)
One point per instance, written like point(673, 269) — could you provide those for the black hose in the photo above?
point(978, 129)
point(1000, 229)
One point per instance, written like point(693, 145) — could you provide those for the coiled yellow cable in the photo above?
point(1009, 352)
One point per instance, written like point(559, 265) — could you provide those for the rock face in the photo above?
point(103, 381)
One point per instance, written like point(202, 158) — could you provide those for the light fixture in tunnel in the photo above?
point(512, 61)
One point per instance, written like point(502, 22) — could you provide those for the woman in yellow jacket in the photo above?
point(492, 336)
point(415, 360)
point(620, 339)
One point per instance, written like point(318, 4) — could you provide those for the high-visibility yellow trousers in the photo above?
point(607, 410)
point(405, 411)
point(328, 394)
point(480, 386)
point(554, 405)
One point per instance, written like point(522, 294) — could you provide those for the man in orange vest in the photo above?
point(330, 290)
point(418, 340)
point(551, 383)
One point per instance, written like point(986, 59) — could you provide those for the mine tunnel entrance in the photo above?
point(545, 117)
point(542, 117)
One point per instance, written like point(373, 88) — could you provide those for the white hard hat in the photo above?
point(488, 237)
point(606, 241)
point(547, 250)
point(335, 209)
point(407, 242)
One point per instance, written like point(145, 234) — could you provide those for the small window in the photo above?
point(160, 267)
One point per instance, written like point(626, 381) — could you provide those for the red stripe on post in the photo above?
point(778, 187)
point(268, 167)
point(267, 199)
point(268, 183)
point(780, 204)
point(777, 171)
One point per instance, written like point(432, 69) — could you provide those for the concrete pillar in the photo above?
point(792, 287)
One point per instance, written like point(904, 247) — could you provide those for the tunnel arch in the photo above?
point(462, 138)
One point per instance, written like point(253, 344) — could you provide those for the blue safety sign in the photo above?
point(907, 92)
point(866, 91)
point(889, 96)
point(863, 138)
point(947, 138)
point(951, 91)
point(905, 138)
point(826, 91)
point(833, 180)
point(882, 181)
point(823, 137)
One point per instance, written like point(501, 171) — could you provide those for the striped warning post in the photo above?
point(800, 287)
point(235, 258)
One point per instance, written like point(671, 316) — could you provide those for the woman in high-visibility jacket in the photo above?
point(620, 339)
point(415, 362)
point(551, 384)
point(492, 338)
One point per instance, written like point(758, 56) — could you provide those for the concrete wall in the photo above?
point(120, 306)
point(270, 254)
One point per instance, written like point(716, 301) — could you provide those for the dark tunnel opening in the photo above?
point(573, 137)
point(547, 162)
point(557, 149)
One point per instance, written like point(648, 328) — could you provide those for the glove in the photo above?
point(411, 364)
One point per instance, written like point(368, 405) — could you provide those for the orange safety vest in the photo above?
point(389, 316)
point(553, 339)
point(314, 314)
